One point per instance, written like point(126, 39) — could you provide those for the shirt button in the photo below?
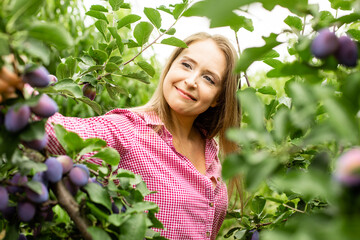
point(211, 204)
point(208, 234)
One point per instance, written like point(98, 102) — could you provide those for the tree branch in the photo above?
point(67, 202)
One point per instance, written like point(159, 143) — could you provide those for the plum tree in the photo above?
point(26, 211)
point(54, 170)
point(17, 182)
point(36, 197)
point(46, 107)
point(4, 198)
point(78, 176)
point(347, 52)
point(37, 144)
point(66, 162)
point(38, 77)
point(17, 118)
point(324, 44)
point(89, 91)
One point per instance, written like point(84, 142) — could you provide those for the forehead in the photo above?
point(206, 53)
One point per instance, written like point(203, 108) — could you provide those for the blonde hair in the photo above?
point(215, 120)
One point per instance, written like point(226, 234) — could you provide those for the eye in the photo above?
point(209, 79)
point(186, 65)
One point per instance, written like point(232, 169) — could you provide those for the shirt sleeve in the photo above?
point(115, 129)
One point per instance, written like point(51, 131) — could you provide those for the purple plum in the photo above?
point(4, 198)
point(78, 176)
point(324, 44)
point(17, 118)
point(54, 171)
point(37, 144)
point(38, 77)
point(26, 211)
point(17, 183)
point(36, 197)
point(66, 162)
point(46, 107)
point(89, 91)
point(347, 53)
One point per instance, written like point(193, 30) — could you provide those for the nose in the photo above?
point(191, 80)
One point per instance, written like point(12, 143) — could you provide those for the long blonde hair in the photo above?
point(215, 120)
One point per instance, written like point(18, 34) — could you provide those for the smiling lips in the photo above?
point(185, 94)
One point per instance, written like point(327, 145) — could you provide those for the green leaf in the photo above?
point(115, 91)
point(253, 107)
point(178, 9)
point(98, 55)
point(154, 16)
point(97, 15)
point(173, 41)
point(350, 18)
point(281, 124)
point(21, 10)
point(128, 19)
point(35, 48)
point(240, 234)
point(73, 141)
point(109, 155)
point(111, 67)
point(294, 22)
point(94, 105)
point(101, 25)
point(98, 233)
point(35, 130)
point(292, 69)
point(140, 207)
point(165, 9)
point(51, 33)
point(251, 55)
point(354, 33)
point(116, 59)
point(134, 228)
point(267, 90)
point(117, 37)
point(142, 32)
point(71, 64)
point(4, 44)
point(273, 63)
point(241, 22)
point(270, 108)
point(342, 121)
point(68, 86)
point(35, 186)
point(116, 4)
point(98, 194)
point(60, 133)
point(171, 31)
point(141, 76)
point(92, 145)
point(146, 67)
point(258, 204)
point(99, 8)
point(118, 219)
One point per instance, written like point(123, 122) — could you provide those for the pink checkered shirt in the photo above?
point(190, 206)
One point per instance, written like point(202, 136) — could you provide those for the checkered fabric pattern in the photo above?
point(191, 207)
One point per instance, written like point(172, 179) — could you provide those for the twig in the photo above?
point(303, 30)
point(296, 210)
point(245, 75)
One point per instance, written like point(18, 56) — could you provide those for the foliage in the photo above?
point(292, 135)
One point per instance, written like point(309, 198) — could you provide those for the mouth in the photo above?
point(185, 94)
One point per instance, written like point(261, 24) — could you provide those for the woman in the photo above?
point(170, 141)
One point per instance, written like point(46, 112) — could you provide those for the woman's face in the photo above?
point(194, 80)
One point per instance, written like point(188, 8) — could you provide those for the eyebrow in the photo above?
point(216, 76)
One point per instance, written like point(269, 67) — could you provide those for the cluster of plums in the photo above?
point(326, 43)
point(31, 203)
point(18, 116)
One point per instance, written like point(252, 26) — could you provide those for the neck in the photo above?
point(182, 127)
